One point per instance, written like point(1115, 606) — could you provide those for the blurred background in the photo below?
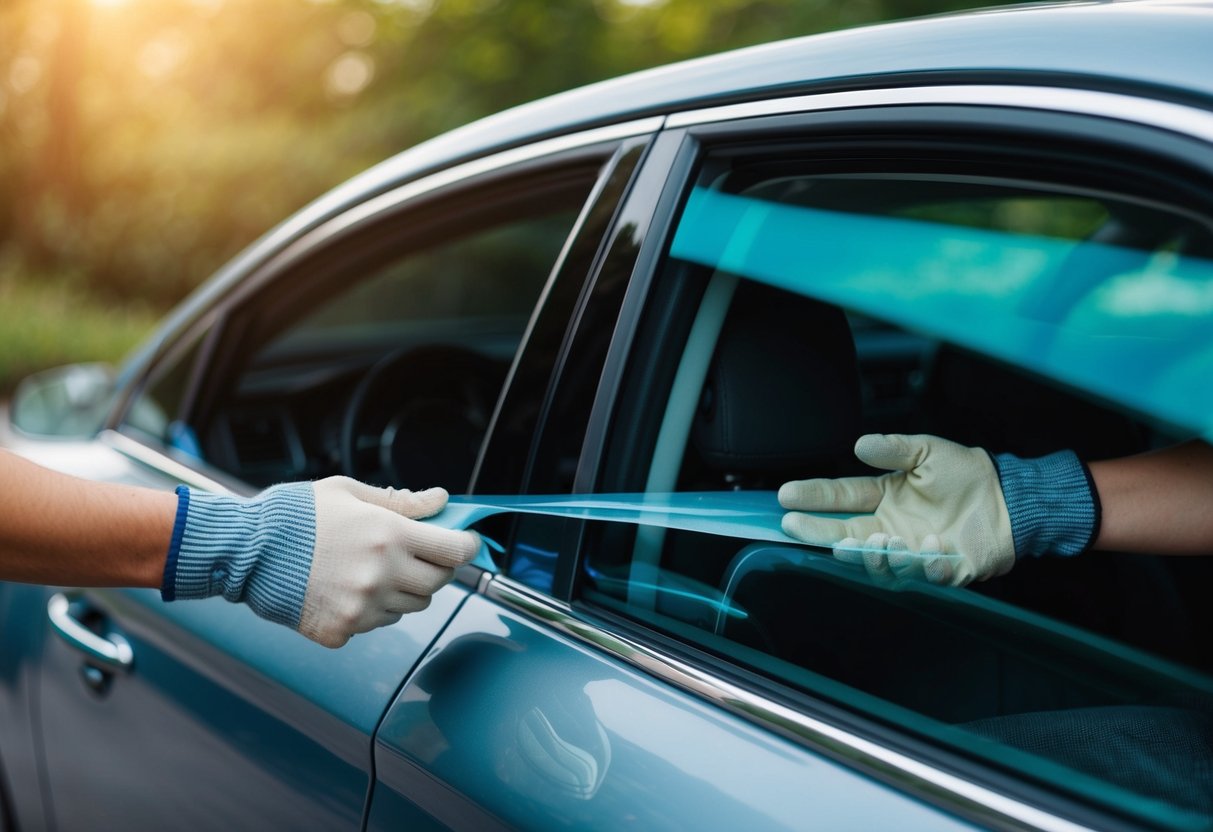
point(144, 142)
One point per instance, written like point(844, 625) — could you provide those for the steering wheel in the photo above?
point(417, 418)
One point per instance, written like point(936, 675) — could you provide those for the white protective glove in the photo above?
point(329, 559)
point(939, 515)
point(373, 561)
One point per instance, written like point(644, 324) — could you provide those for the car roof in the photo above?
point(1162, 46)
point(1157, 47)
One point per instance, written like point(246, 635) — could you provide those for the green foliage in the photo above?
point(44, 322)
point(144, 142)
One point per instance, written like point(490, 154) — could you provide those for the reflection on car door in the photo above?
point(524, 727)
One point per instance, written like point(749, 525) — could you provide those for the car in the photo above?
point(612, 323)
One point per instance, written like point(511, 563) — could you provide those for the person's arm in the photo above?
point(1159, 502)
point(329, 559)
point(985, 512)
point(57, 529)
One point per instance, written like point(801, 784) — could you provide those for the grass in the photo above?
point(45, 321)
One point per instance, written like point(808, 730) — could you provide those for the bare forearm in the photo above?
point(56, 529)
point(1159, 502)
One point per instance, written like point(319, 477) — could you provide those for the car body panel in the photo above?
point(224, 714)
point(571, 738)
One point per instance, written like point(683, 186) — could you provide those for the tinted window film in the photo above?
point(1066, 303)
point(811, 308)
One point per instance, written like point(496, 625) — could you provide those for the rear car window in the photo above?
point(1007, 313)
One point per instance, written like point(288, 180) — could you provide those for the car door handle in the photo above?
point(113, 652)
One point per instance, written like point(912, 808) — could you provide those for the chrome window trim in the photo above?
point(469, 171)
point(1178, 118)
point(158, 461)
point(941, 788)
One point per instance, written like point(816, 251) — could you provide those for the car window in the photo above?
point(156, 411)
point(813, 305)
point(381, 355)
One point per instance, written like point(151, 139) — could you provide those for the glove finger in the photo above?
point(402, 603)
point(937, 566)
point(939, 571)
point(825, 531)
point(853, 550)
point(391, 617)
point(876, 559)
point(844, 494)
point(411, 504)
point(421, 577)
point(903, 562)
point(849, 550)
point(892, 451)
point(444, 547)
point(395, 609)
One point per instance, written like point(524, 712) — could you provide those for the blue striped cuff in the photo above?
point(168, 583)
point(257, 551)
point(1052, 502)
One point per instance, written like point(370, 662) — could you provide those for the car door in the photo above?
point(653, 651)
point(201, 715)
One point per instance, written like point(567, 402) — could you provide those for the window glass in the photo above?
point(816, 307)
point(156, 411)
point(446, 284)
point(384, 360)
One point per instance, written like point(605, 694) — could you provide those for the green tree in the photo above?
point(143, 142)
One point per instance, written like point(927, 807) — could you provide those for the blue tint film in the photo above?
point(1070, 310)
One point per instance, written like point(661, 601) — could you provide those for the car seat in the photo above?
point(782, 397)
point(780, 401)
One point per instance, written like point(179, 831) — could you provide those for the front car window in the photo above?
point(379, 356)
point(1008, 313)
point(393, 379)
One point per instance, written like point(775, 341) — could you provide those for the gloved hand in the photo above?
point(941, 498)
point(946, 513)
point(329, 559)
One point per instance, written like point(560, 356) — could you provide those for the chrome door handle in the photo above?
point(112, 652)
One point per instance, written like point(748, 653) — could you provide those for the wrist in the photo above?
point(1051, 501)
point(255, 551)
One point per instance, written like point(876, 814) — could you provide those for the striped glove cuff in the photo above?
point(1052, 502)
point(257, 551)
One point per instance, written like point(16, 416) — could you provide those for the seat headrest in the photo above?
point(783, 389)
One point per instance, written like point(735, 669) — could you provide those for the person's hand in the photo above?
point(939, 514)
point(373, 561)
point(329, 559)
